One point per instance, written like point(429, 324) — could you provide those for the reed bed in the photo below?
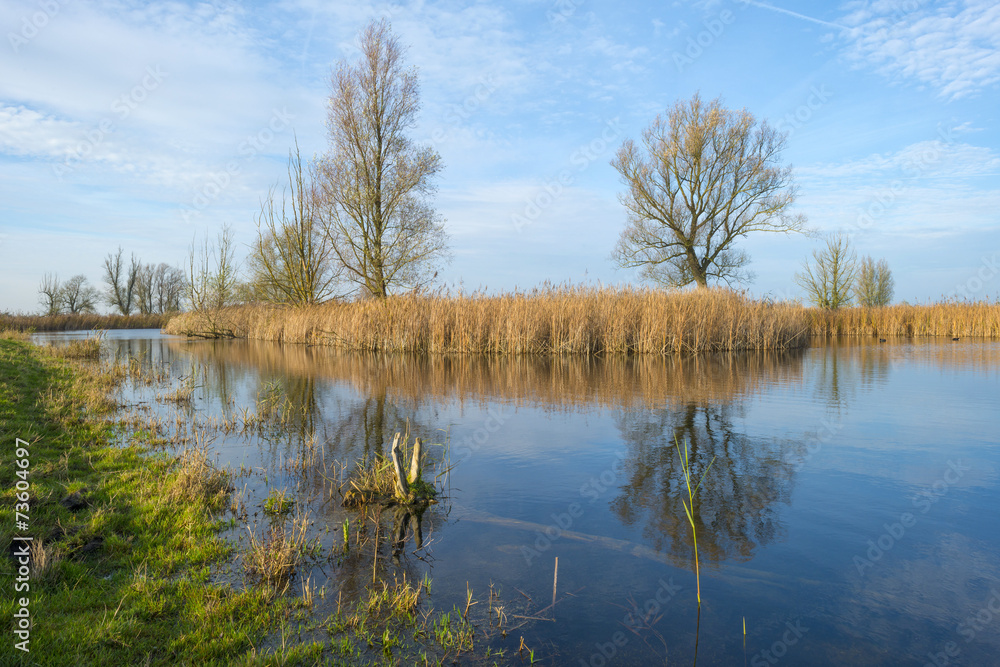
point(82, 322)
point(954, 319)
point(566, 320)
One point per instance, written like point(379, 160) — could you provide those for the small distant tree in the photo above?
point(376, 184)
point(78, 296)
point(168, 288)
point(212, 280)
point(830, 279)
point(875, 286)
point(50, 294)
point(291, 259)
point(121, 281)
point(144, 289)
point(704, 177)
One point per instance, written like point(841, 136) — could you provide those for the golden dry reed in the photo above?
point(558, 320)
point(82, 322)
point(954, 319)
point(583, 320)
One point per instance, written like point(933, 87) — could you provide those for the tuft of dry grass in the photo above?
point(43, 560)
point(552, 320)
point(273, 559)
point(197, 479)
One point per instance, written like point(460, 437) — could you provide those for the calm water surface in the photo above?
point(849, 514)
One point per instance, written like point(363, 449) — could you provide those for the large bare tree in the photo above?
point(376, 184)
point(830, 280)
point(291, 259)
point(704, 177)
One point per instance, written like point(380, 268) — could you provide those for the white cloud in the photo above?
point(953, 48)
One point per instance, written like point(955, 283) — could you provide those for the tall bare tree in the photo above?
point(290, 262)
point(829, 280)
point(78, 296)
point(704, 177)
point(121, 281)
point(376, 184)
point(875, 285)
point(50, 294)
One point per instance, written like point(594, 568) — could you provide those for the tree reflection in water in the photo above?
point(738, 502)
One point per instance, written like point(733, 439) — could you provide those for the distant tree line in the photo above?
point(129, 287)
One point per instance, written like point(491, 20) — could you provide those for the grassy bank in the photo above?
point(81, 322)
point(581, 321)
point(123, 539)
point(555, 321)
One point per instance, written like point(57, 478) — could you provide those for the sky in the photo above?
point(149, 125)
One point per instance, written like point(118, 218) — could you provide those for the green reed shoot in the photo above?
point(689, 509)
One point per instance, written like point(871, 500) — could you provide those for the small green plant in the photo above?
point(278, 503)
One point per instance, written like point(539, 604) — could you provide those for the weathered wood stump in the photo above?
point(409, 489)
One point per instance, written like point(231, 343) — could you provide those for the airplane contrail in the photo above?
point(764, 5)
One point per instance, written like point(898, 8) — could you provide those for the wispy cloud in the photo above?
point(788, 12)
point(953, 47)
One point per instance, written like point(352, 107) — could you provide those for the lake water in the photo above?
point(848, 513)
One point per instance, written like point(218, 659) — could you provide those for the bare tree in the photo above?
point(290, 262)
point(121, 281)
point(704, 177)
point(78, 296)
point(875, 285)
point(829, 281)
point(376, 184)
point(50, 294)
point(144, 289)
point(212, 280)
point(168, 288)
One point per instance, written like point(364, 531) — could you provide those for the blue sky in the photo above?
point(145, 124)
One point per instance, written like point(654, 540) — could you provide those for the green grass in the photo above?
point(126, 579)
